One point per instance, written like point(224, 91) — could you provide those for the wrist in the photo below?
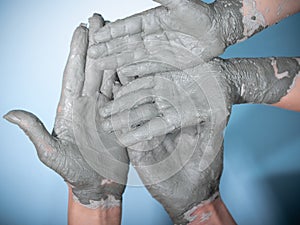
point(228, 14)
point(260, 80)
point(99, 197)
point(79, 214)
point(211, 212)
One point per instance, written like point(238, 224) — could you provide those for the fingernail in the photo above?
point(12, 118)
point(97, 14)
point(83, 25)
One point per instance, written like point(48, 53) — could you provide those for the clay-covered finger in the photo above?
point(147, 22)
point(153, 128)
point(93, 78)
point(127, 102)
point(130, 118)
point(95, 23)
point(135, 85)
point(74, 71)
point(116, 61)
point(116, 46)
point(93, 75)
point(108, 80)
point(141, 69)
point(44, 143)
point(119, 28)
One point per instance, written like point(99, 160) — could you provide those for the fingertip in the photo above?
point(83, 25)
point(82, 28)
point(103, 112)
point(128, 140)
point(99, 18)
point(106, 125)
point(12, 117)
point(93, 52)
point(96, 22)
point(80, 38)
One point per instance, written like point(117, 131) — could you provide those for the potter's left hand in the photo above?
point(156, 105)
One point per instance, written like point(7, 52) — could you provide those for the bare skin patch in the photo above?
point(253, 19)
point(205, 217)
point(191, 214)
point(277, 74)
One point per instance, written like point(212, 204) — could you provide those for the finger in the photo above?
point(144, 68)
point(93, 75)
point(124, 80)
point(44, 143)
point(172, 4)
point(154, 52)
point(119, 28)
point(114, 62)
point(130, 43)
point(153, 128)
point(130, 118)
point(116, 45)
point(147, 22)
point(135, 85)
point(74, 71)
point(93, 78)
point(116, 87)
point(108, 80)
point(127, 102)
point(95, 23)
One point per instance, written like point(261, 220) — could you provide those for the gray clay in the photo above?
point(66, 151)
point(171, 117)
point(174, 114)
point(192, 107)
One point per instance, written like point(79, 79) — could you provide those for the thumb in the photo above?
point(35, 130)
point(172, 4)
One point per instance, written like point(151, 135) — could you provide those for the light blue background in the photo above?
point(261, 180)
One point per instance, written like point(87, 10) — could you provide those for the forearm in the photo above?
point(81, 215)
point(264, 80)
point(240, 19)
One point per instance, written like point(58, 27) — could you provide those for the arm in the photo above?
point(80, 215)
point(291, 100)
point(269, 81)
point(240, 19)
point(276, 10)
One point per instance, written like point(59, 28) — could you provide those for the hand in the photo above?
point(181, 32)
point(192, 108)
point(75, 138)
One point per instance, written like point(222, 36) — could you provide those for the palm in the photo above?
point(181, 33)
point(182, 181)
point(193, 26)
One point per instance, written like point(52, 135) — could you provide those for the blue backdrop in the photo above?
point(261, 180)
